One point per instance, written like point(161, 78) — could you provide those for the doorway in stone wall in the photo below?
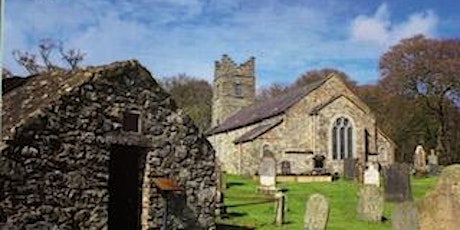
point(125, 186)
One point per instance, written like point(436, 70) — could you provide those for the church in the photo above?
point(324, 119)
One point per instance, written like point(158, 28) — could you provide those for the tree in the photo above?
point(193, 95)
point(46, 47)
point(6, 73)
point(426, 71)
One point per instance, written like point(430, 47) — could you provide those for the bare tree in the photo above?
point(46, 47)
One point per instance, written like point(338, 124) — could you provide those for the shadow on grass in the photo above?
point(232, 227)
point(231, 184)
point(251, 203)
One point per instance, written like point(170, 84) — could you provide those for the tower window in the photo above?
point(238, 89)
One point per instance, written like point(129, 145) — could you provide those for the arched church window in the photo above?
point(342, 139)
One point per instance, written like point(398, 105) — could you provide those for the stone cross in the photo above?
point(267, 172)
point(370, 204)
point(316, 213)
point(372, 176)
point(420, 160)
point(397, 183)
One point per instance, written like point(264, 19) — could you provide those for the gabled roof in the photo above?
point(27, 97)
point(267, 109)
point(315, 110)
point(257, 131)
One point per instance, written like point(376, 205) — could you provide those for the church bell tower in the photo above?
point(233, 88)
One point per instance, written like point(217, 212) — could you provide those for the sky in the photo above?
point(286, 37)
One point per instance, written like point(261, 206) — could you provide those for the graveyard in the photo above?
point(250, 210)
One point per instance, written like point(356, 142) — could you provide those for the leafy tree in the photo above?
point(425, 70)
point(193, 95)
point(72, 57)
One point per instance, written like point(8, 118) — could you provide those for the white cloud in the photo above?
point(378, 29)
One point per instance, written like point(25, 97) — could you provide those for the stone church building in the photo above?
point(101, 148)
point(324, 119)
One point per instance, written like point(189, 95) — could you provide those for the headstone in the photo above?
point(285, 168)
point(267, 173)
point(420, 160)
point(370, 203)
point(349, 168)
point(440, 210)
point(316, 213)
point(405, 217)
point(372, 175)
point(397, 183)
point(433, 165)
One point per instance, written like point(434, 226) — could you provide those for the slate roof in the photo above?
point(257, 131)
point(267, 109)
point(27, 97)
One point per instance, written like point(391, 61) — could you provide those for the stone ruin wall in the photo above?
point(55, 172)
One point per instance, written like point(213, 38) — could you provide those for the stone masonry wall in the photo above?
point(56, 169)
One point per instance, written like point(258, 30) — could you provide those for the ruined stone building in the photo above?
point(101, 148)
point(324, 119)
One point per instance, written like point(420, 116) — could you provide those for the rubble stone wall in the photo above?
point(55, 171)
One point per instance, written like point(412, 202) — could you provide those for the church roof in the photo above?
point(24, 98)
point(267, 109)
point(257, 131)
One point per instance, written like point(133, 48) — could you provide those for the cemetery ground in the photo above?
point(250, 210)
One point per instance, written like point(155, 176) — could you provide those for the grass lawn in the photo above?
point(251, 210)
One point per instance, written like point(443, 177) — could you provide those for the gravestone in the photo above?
point(372, 176)
point(440, 210)
point(280, 208)
point(316, 213)
point(285, 168)
point(420, 161)
point(267, 173)
point(349, 168)
point(397, 183)
point(220, 189)
point(370, 204)
point(433, 165)
point(404, 216)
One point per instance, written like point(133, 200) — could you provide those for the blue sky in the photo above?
point(286, 37)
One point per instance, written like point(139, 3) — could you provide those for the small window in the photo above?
point(131, 121)
point(238, 89)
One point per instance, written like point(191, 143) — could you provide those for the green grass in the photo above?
point(248, 209)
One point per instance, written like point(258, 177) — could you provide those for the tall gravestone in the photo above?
point(420, 161)
point(316, 213)
point(440, 210)
point(397, 187)
point(404, 216)
point(349, 168)
point(220, 189)
point(433, 165)
point(267, 173)
point(370, 203)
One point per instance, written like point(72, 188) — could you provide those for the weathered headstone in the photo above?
point(397, 183)
point(433, 165)
point(370, 203)
point(420, 161)
point(440, 210)
point(349, 168)
point(220, 189)
point(316, 213)
point(372, 176)
point(285, 168)
point(405, 217)
point(267, 173)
